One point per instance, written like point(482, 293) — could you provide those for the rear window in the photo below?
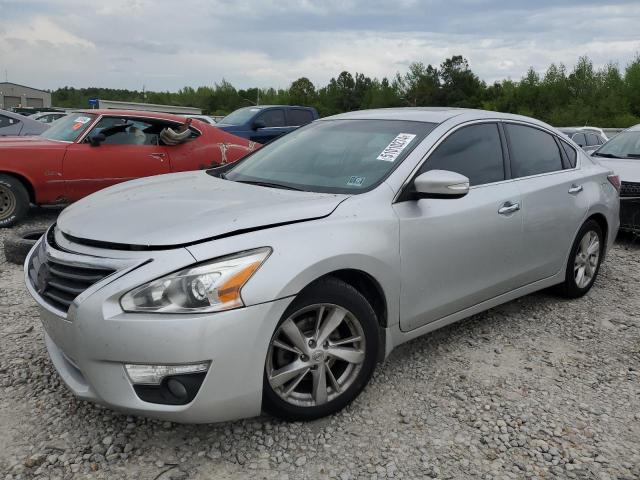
point(592, 140)
point(299, 117)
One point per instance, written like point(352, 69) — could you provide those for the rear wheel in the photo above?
point(14, 201)
point(584, 261)
point(322, 354)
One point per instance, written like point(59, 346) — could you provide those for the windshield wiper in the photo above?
point(606, 155)
point(268, 184)
point(633, 155)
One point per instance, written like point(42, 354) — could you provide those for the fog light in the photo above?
point(154, 374)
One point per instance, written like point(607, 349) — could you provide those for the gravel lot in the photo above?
point(537, 388)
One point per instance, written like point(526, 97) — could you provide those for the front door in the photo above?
point(456, 253)
point(131, 150)
point(274, 126)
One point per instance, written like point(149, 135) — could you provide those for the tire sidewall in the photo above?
point(341, 294)
point(22, 200)
point(570, 281)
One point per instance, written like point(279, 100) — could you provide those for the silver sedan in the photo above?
point(277, 284)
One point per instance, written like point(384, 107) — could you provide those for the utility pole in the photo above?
point(258, 99)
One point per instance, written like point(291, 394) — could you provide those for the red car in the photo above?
point(90, 150)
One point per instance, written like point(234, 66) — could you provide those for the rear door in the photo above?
point(553, 202)
point(274, 125)
point(131, 150)
point(456, 253)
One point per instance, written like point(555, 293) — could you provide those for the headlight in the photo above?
point(209, 287)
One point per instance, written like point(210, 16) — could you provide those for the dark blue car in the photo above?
point(263, 123)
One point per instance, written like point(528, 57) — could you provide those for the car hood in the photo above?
point(627, 170)
point(28, 142)
point(185, 208)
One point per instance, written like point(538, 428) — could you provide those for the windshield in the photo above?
point(70, 127)
point(240, 116)
point(623, 145)
point(339, 156)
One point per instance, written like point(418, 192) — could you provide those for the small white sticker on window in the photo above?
point(395, 148)
point(82, 120)
point(355, 181)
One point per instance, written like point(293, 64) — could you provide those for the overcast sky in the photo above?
point(166, 45)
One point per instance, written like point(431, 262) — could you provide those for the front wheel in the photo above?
point(322, 353)
point(14, 201)
point(584, 261)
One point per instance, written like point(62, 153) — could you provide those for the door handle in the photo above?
point(575, 188)
point(158, 156)
point(509, 207)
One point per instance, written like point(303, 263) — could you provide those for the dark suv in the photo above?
point(265, 122)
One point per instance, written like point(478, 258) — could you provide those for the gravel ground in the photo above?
point(537, 388)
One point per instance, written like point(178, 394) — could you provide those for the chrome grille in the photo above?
point(60, 283)
point(630, 189)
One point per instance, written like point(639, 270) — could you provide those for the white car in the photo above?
point(47, 117)
point(622, 155)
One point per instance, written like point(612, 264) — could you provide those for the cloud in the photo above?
point(167, 45)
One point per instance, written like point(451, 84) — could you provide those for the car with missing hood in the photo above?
point(622, 155)
point(93, 149)
point(277, 284)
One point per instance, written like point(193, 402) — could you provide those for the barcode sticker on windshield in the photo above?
point(395, 148)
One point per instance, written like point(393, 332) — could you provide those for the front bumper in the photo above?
point(630, 214)
point(90, 344)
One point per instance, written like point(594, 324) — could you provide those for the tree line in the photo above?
point(607, 96)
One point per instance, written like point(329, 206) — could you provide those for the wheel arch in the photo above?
point(25, 182)
point(601, 220)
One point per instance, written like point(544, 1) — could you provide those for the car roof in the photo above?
point(134, 113)
point(431, 115)
point(635, 128)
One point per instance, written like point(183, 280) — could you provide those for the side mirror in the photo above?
point(441, 184)
point(258, 124)
point(96, 139)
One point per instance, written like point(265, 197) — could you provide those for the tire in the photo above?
point(16, 247)
point(14, 201)
point(573, 287)
point(327, 299)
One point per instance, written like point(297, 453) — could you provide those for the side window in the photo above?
point(474, 151)
point(601, 141)
point(127, 131)
point(273, 118)
point(579, 139)
point(572, 155)
point(532, 151)
point(592, 139)
point(7, 121)
point(299, 117)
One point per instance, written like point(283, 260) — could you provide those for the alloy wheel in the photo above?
point(587, 257)
point(7, 202)
point(315, 355)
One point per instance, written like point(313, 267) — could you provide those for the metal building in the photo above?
point(13, 95)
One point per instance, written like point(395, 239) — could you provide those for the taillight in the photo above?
point(615, 181)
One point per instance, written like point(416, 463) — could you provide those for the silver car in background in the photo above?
point(277, 284)
point(13, 125)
